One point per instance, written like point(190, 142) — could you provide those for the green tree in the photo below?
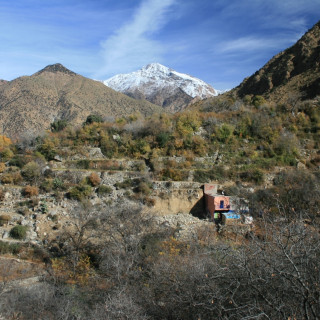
point(93, 118)
point(58, 125)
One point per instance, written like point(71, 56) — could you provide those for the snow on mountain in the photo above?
point(155, 78)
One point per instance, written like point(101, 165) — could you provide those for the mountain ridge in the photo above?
point(295, 70)
point(29, 104)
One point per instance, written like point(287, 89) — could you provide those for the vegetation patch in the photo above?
point(13, 248)
point(19, 232)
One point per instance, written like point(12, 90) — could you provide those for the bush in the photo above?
point(254, 175)
point(13, 248)
point(163, 138)
point(128, 183)
point(6, 154)
point(143, 187)
point(58, 125)
point(44, 207)
point(203, 176)
point(80, 192)
point(31, 171)
point(257, 101)
point(93, 118)
point(94, 179)
point(19, 232)
point(83, 164)
point(18, 161)
point(30, 191)
point(2, 167)
point(5, 142)
point(103, 189)
point(224, 133)
point(58, 183)
point(46, 185)
point(172, 174)
point(11, 178)
point(4, 219)
point(47, 148)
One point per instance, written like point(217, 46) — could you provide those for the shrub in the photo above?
point(47, 148)
point(128, 183)
point(57, 183)
point(103, 189)
point(94, 179)
point(31, 171)
point(80, 192)
point(187, 123)
point(58, 125)
point(44, 207)
point(4, 219)
point(11, 178)
point(19, 232)
point(224, 133)
point(163, 138)
point(83, 164)
point(46, 185)
point(30, 191)
point(6, 154)
point(18, 161)
point(144, 188)
point(4, 142)
point(203, 176)
point(254, 175)
point(257, 101)
point(13, 248)
point(172, 174)
point(93, 118)
point(2, 167)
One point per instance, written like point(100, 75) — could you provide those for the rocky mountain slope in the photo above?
point(29, 104)
point(295, 71)
point(162, 86)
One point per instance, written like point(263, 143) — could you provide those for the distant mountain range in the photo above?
point(29, 104)
point(294, 71)
point(162, 86)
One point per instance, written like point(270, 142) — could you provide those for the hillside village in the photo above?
point(212, 212)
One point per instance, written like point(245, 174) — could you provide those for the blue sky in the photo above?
point(218, 41)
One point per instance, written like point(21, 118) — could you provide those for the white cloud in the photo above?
point(132, 46)
point(250, 44)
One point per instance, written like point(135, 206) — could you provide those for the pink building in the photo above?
point(215, 202)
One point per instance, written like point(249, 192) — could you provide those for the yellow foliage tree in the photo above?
point(5, 142)
point(78, 273)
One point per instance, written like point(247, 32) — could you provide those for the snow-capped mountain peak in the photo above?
point(155, 67)
point(155, 79)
